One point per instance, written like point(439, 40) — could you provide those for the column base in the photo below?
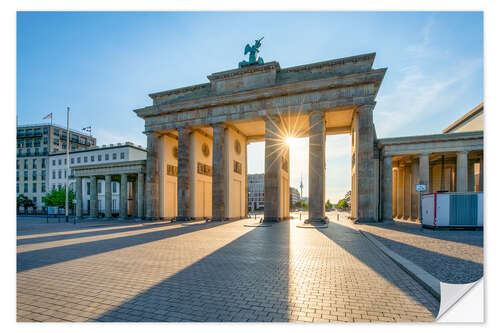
point(182, 219)
point(272, 219)
point(319, 223)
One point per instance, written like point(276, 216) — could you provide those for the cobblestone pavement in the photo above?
point(211, 272)
point(452, 256)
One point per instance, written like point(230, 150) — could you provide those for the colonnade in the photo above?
point(459, 171)
point(212, 152)
point(134, 194)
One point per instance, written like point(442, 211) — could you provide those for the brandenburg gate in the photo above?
point(197, 137)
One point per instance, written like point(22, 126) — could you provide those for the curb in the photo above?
point(428, 281)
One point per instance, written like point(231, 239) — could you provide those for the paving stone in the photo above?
point(211, 272)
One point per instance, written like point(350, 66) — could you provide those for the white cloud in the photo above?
point(105, 137)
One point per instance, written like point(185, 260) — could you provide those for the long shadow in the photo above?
point(351, 241)
point(446, 268)
point(246, 280)
point(469, 237)
point(99, 232)
point(43, 257)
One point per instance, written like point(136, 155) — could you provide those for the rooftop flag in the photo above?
point(48, 116)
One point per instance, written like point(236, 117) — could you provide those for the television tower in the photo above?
point(301, 186)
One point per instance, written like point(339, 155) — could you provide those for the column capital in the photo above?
point(365, 107)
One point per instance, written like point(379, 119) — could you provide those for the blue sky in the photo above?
point(103, 65)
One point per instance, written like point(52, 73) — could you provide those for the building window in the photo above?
point(53, 175)
point(64, 174)
point(114, 156)
point(56, 132)
point(37, 143)
point(45, 150)
point(35, 163)
point(72, 160)
point(26, 164)
point(58, 186)
point(17, 188)
point(78, 160)
point(25, 175)
point(28, 152)
point(122, 155)
point(59, 174)
point(53, 162)
point(17, 175)
point(34, 188)
point(43, 187)
point(45, 140)
point(43, 163)
point(106, 157)
point(25, 188)
point(92, 158)
point(65, 161)
point(114, 187)
point(99, 187)
point(99, 158)
point(72, 173)
point(73, 147)
point(45, 130)
point(17, 164)
point(56, 142)
point(88, 188)
point(34, 174)
point(43, 174)
point(29, 132)
point(85, 160)
point(59, 162)
point(28, 143)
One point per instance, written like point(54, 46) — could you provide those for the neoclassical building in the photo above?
point(197, 138)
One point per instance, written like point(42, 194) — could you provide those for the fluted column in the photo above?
point(462, 171)
point(93, 196)
point(272, 175)
point(152, 178)
point(78, 189)
point(317, 145)
point(107, 196)
point(140, 195)
point(400, 190)
point(123, 196)
point(183, 178)
point(387, 188)
point(365, 171)
point(481, 175)
point(423, 173)
point(219, 172)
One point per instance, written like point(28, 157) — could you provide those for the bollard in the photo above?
point(337, 216)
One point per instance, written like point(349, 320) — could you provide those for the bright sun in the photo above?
point(290, 141)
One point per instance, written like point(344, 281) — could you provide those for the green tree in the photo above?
point(328, 204)
point(57, 198)
point(342, 204)
point(24, 201)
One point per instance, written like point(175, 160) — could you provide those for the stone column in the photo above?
point(481, 174)
point(107, 196)
point(317, 138)
point(245, 143)
point(414, 194)
point(140, 195)
point(365, 194)
point(462, 171)
point(183, 179)
point(387, 188)
point(400, 188)
point(78, 190)
point(219, 173)
point(93, 196)
point(123, 196)
point(133, 196)
point(152, 179)
point(407, 192)
point(423, 173)
point(272, 174)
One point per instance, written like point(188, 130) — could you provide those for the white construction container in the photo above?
point(452, 209)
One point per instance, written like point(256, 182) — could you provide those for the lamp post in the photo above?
point(67, 165)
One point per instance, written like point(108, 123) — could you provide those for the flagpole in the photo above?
point(67, 164)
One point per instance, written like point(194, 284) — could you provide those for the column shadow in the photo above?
point(100, 232)
point(246, 280)
point(350, 239)
point(49, 256)
point(446, 268)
